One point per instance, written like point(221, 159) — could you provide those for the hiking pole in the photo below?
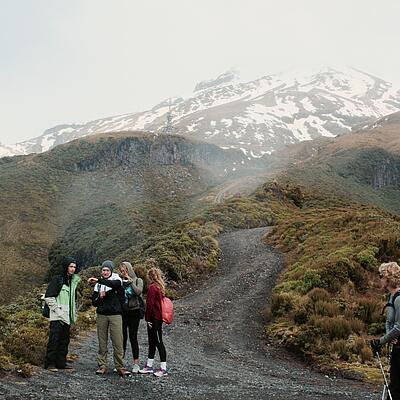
point(384, 378)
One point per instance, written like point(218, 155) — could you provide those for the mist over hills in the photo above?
point(98, 196)
point(258, 117)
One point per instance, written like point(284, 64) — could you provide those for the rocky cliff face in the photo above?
point(132, 152)
point(373, 167)
point(386, 173)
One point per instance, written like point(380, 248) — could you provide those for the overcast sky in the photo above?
point(68, 61)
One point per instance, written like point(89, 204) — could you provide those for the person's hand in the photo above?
point(92, 281)
point(375, 346)
point(149, 324)
point(124, 274)
point(395, 341)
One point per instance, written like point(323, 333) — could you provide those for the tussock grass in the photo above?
point(329, 296)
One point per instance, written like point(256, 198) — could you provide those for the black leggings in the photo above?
point(155, 340)
point(395, 373)
point(57, 346)
point(130, 322)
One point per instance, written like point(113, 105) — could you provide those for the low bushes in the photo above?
point(24, 331)
point(328, 300)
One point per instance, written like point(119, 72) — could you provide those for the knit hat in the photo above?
point(108, 264)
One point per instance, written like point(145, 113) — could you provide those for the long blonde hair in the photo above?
point(155, 275)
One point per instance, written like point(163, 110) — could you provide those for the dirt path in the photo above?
point(241, 186)
point(215, 347)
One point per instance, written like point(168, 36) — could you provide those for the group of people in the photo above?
point(123, 322)
point(117, 315)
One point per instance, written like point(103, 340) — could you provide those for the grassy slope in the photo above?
point(327, 302)
point(28, 192)
point(92, 202)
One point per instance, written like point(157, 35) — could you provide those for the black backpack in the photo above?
point(390, 303)
point(131, 296)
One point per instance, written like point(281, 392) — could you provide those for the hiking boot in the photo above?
point(52, 369)
point(101, 371)
point(161, 372)
point(135, 369)
point(124, 372)
point(146, 370)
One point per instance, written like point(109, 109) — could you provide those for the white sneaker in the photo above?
point(146, 370)
point(135, 369)
point(161, 372)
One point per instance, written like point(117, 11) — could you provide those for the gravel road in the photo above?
point(215, 348)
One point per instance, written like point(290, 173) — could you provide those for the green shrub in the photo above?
point(28, 344)
point(311, 279)
point(281, 303)
point(366, 257)
point(376, 328)
point(333, 327)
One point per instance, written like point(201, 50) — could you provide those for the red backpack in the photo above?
point(167, 308)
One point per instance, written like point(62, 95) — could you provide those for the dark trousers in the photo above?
point(394, 385)
point(130, 324)
point(155, 340)
point(57, 347)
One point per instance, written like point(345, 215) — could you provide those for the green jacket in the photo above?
point(63, 307)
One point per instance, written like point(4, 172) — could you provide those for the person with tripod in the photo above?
point(389, 274)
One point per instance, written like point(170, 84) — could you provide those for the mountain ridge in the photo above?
point(258, 116)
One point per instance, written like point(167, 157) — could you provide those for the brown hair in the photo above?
point(391, 271)
point(156, 276)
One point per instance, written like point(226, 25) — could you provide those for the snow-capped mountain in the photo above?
point(258, 117)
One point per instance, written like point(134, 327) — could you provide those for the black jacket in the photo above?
point(55, 285)
point(111, 303)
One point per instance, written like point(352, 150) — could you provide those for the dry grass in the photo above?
point(332, 254)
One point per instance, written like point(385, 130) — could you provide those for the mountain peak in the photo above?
point(228, 77)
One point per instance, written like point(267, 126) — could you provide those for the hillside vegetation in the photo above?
point(186, 252)
point(327, 303)
point(334, 208)
point(96, 197)
point(344, 223)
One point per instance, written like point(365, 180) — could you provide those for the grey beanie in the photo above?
point(108, 264)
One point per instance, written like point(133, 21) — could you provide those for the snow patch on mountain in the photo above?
point(257, 117)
